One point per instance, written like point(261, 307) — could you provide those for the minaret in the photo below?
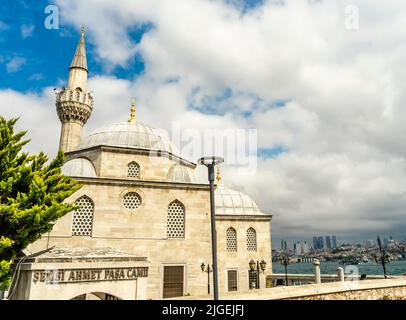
point(74, 104)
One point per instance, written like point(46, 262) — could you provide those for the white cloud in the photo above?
point(344, 169)
point(36, 76)
point(27, 30)
point(15, 64)
point(36, 113)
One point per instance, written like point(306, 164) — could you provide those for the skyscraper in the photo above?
point(315, 244)
point(298, 249)
point(284, 245)
point(328, 242)
point(334, 240)
point(320, 242)
point(305, 248)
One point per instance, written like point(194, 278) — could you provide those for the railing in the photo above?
point(279, 279)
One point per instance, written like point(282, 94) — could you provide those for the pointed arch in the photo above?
point(251, 239)
point(82, 219)
point(175, 220)
point(231, 240)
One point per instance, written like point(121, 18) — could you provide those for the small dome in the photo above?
point(178, 173)
point(232, 202)
point(79, 167)
point(130, 135)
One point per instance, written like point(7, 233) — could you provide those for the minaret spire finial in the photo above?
point(79, 59)
point(218, 178)
point(132, 112)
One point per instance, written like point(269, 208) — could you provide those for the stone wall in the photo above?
point(240, 259)
point(386, 289)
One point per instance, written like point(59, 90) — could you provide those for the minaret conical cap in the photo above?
point(79, 59)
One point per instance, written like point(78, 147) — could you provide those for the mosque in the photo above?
point(142, 229)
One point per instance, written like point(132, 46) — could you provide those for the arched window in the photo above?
point(231, 238)
point(175, 221)
point(133, 170)
point(251, 239)
point(132, 201)
point(82, 222)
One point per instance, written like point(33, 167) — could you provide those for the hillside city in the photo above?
point(327, 249)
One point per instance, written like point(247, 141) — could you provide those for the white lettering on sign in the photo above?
point(89, 275)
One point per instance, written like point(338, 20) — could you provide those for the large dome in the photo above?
point(233, 202)
point(130, 135)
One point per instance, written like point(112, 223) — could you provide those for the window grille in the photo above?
point(82, 222)
point(231, 239)
point(232, 277)
point(251, 240)
point(253, 279)
point(175, 227)
point(132, 201)
point(133, 170)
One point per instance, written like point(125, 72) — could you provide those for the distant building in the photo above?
point(328, 242)
point(334, 242)
point(369, 243)
point(305, 248)
point(297, 249)
point(315, 244)
point(320, 243)
point(385, 242)
point(284, 245)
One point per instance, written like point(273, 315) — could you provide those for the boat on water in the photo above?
point(349, 261)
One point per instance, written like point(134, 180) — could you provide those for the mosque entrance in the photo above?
point(80, 274)
point(95, 296)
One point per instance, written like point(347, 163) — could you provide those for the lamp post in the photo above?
point(259, 266)
point(383, 257)
point(208, 270)
point(285, 261)
point(210, 163)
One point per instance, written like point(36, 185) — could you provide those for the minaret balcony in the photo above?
point(75, 95)
point(74, 106)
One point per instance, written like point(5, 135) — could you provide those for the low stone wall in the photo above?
point(385, 289)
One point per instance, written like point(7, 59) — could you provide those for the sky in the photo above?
point(319, 83)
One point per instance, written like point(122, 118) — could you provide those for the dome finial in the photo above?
point(132, 112)
point(83, 29)
point(218, 177)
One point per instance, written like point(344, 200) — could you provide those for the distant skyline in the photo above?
point(321, 82)
point(276, 243)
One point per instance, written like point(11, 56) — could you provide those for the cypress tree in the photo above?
point(32, 194)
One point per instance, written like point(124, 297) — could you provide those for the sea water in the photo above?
point(330, 267)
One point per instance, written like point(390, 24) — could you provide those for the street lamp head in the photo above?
point(252, 265)
point(263, 265)
point(212, 160)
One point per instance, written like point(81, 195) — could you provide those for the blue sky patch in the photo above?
point(33, 57)
point(271, 152)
